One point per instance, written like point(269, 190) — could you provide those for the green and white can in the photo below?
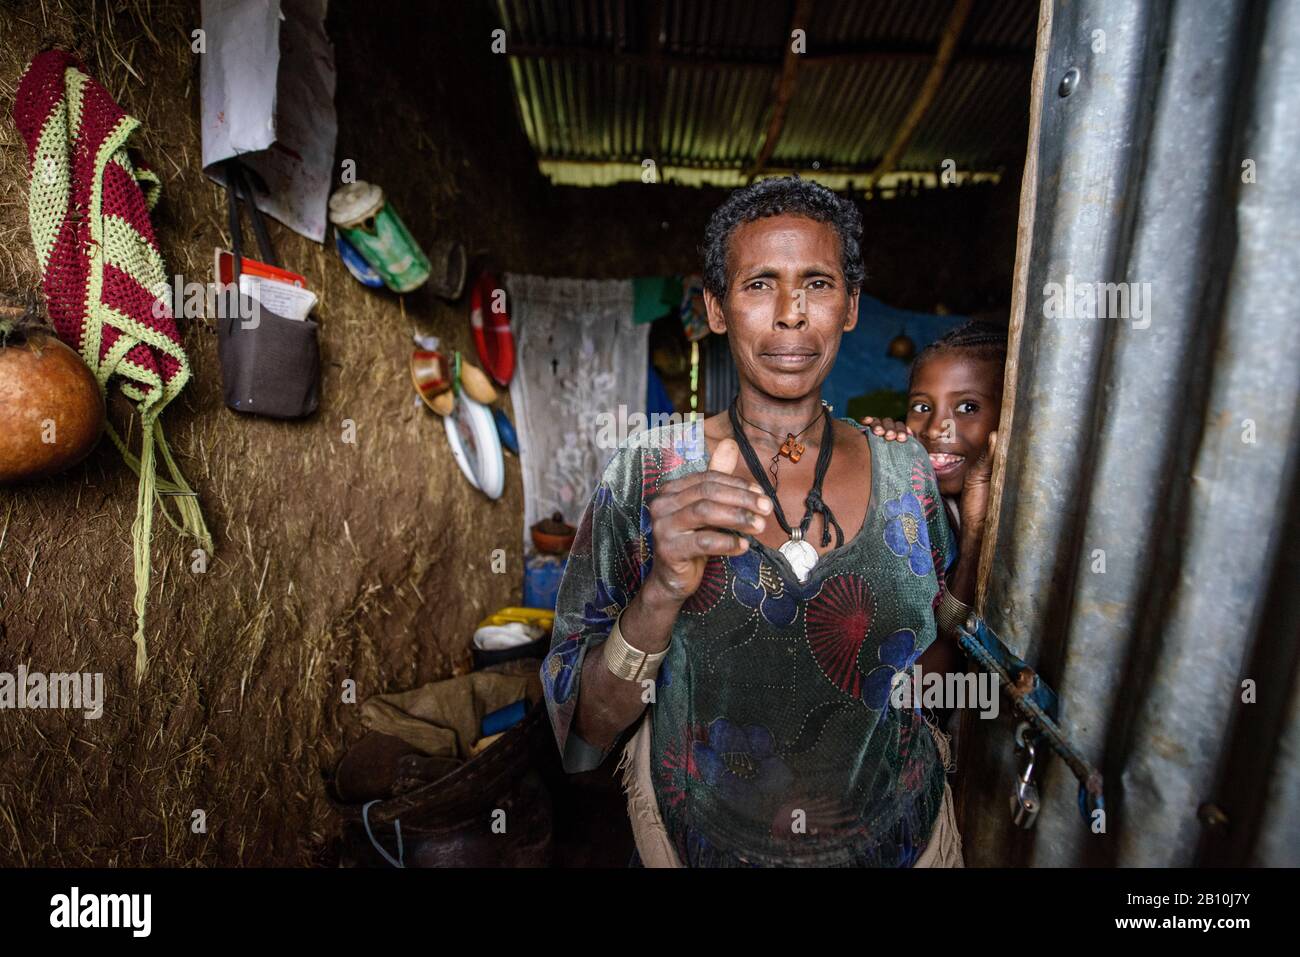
point(371, 224)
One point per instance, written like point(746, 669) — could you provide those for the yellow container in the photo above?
point(542, 618)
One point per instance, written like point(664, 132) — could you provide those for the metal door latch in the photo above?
point(1038, 705)
point(1024, 799)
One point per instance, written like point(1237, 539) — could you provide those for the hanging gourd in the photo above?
point(51, 409)
point(901, 347)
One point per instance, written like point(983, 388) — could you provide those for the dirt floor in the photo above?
point(366, 561)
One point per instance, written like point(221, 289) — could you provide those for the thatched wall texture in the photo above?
point(367, 561)
point(334, 561)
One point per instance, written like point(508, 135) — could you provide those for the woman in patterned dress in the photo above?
point(760, 688)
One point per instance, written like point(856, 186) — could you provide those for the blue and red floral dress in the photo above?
point(774, 739)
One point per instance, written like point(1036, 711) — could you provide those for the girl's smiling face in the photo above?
point(954, 404)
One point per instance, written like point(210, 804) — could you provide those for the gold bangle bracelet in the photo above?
point(626, 662)
point(952, 613)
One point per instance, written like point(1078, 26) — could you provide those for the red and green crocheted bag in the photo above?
point(101, 269)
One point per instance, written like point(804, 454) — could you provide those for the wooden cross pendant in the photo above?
point(791, 449)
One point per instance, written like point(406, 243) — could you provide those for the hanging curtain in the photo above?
point(582, 357)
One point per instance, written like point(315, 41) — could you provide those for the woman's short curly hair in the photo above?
point(773, 197)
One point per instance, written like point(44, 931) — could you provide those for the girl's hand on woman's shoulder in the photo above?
point(891, 429)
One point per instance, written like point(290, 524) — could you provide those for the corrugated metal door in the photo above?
point(1147, 511)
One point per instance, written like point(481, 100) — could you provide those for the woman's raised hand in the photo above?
point(889, 428)
point(698, 516)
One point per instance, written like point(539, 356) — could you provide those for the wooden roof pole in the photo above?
point(658, 82)
point(783, 91)
point(831, 57)
point(929, 90)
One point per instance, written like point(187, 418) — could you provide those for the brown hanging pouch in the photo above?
point(270, 364)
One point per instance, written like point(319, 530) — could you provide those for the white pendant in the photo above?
point(801, 556)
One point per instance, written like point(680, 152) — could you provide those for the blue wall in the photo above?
point(862, 365)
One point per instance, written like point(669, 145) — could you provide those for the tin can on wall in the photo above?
point(371, 225)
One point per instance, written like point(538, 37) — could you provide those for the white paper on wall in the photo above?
point(267, 86)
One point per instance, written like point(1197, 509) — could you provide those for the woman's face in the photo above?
point(953, 406)
point(787, 303)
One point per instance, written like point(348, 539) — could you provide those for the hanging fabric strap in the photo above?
point(237, 185)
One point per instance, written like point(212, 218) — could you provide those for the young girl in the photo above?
point(954, 402)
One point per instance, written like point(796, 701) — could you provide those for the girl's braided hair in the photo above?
point(978, 339)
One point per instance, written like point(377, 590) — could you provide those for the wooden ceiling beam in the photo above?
point(783, 90)
point(929, 91)
point(655, 40)
point(857, 169)
point(845, 57)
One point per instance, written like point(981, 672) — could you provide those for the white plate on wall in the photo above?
point(475, 445)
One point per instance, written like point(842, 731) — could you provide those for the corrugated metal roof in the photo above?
point(846, 24)
point(590, 80)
